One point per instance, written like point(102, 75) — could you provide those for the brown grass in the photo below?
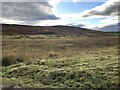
point(55, 47)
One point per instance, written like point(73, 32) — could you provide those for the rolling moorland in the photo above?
point(59, 57)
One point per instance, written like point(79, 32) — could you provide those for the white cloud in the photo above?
point(59, 22)
point(109, 20)
point(77, 1)
point(27, 11)
point(107, 24)
point(72, 16)
point(76, 24)
point(10, 21)
point(51, 22)
point(109, 27)
point(54, 2)
point(109, 8)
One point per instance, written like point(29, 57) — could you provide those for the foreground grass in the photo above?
point(64, 62)
point(100, 71)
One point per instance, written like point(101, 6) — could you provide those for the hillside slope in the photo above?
point(10, 29)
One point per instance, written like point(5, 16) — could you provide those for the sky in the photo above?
point(92, 14)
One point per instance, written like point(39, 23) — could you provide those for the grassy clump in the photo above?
point(10, 60)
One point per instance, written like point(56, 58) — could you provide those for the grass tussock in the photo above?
point(10, 60)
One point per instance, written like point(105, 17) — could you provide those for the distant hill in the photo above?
point(12, 29)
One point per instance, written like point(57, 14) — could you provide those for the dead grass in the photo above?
point(62, 47)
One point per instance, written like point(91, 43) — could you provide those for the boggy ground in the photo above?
point(41, 61)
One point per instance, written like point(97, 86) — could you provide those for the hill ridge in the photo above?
point(15, 29)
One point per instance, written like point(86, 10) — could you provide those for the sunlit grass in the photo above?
point(80, 62)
